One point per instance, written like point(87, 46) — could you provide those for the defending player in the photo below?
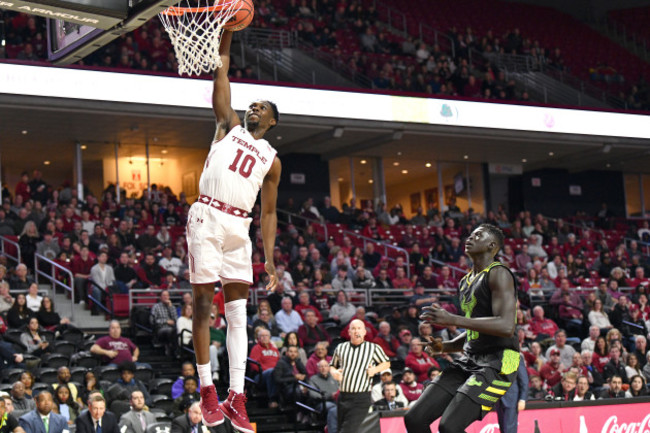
point(470, 387)
point(240, 162)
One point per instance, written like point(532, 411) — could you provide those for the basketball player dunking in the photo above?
point(471, 386)
point(239, 164)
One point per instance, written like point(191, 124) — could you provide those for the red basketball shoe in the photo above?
point(210, 412)
point(234, 408)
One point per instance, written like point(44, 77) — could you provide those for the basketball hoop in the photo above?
point(195, 31)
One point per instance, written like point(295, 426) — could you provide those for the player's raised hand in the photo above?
point(434, 346)
point(434, 314)
point(273, 276)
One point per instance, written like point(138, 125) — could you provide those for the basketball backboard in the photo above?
point(76, 28)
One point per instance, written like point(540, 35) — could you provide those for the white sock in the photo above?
point(237, 343)
point(205, 374)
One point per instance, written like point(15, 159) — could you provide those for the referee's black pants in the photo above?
point(352, 410)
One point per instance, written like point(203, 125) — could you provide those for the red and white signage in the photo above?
point(622, 418)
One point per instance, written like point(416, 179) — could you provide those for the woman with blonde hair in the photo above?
point(27, 240)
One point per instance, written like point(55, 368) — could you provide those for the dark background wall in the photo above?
point(317, 178)
point(587, 10)
point(552, 198)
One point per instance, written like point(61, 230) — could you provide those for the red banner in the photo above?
point(622, 418)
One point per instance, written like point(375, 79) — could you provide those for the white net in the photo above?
point(195, 29)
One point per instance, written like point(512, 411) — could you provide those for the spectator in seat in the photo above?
point(190, 421)
point(640, 344)
point(268, 356)
point(33, 299)
point(620, 311)
point(637, 388)
point(36, 345)
point(570, 315)
point(371, 332)
point(342, 311)
point(102, 276)
point(187, 370)
point(114, 348)
point(137, 419)
point(383, 281)
point(590, 342)
point(324, 381)
point(388, 402)
point(189, 395)
point(48, 247)
point(341, 281)
point(373, 230)
point(566, 351)
point(582, 390)
point(551, 372)
point(566, 389)
point(18, 315)
point(319, 354)
point(288, 371)
point(148, 242)
point(10, 422)
point(639, 277)
point(33, 421)
point(401, 281)
point(19, 398)
point(266, 320)
point(320, 299)
point(152, 274)
point(311, 332)
point(386, 340)
point(96, 415)
point(565, 289)
point(605, 297)
point(304, 305)
point(170, 263)
point(523, 260)
point(598, 318)
point(20, 280)
point(419, 361)
point(411, 389)
point(371, 258)
point(541, 327)
point(127, 383)
point(427, 279)
point(361, 279)
point(615, 366)
point(445, 280)
point(536, 389)
point(420, 298)
point(164, 321)
point(287, 318)
point(376, 391)
point(615, 389)
point(328, 212)
point(63, 378)
point(634, 325)
point(455, 250)
point(81, 266)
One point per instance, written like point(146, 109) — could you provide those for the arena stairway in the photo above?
point(82, 317)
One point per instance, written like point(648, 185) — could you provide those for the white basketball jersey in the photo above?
point(235, 168)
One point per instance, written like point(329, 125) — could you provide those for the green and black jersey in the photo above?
point(476, 301)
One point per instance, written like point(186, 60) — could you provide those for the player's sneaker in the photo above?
point(234, 408)
point(210, 412)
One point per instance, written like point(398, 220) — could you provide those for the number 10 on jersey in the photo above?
point(246, 166)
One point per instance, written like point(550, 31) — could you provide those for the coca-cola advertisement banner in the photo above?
point(623, 418)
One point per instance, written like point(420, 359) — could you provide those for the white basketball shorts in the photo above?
point(219, 246)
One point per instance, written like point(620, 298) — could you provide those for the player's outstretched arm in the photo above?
point(226, 116)
point(504, 307)
point(269, 220)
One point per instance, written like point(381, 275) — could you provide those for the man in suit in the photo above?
point(189, 422)
point(388, 402)
point(136, 420)
point(96, 419)
point(42, 419)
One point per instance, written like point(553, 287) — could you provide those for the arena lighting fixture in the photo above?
point(396, 164)
point(524, 160)
point(371, 181)
point(465, 156)
point(338, 133)
point(164, 151)
point(427, 165)
point(84, 147)
point(399, 153)
point(46, 163)
point(405, 172)
point(608, 165)
point(340, 179)
point(24, 132)
point(607, 148)
point(551, 154)
point(279, 137)
point(363, 161)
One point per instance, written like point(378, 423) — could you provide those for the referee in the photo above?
point(354, 364)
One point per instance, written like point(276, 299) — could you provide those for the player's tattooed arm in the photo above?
point(226, 117)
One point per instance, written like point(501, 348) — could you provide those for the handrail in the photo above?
point(454, 269)
point(577, 226)
point(642, 244)
point(291, 215)
point(4, 252)
point(38, 258)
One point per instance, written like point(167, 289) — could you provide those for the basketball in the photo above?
point(243, 17)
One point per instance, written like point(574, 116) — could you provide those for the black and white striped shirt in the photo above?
point(354, 361)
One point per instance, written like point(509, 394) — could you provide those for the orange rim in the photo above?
point(176, 11)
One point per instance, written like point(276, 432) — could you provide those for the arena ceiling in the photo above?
point(33, 130)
